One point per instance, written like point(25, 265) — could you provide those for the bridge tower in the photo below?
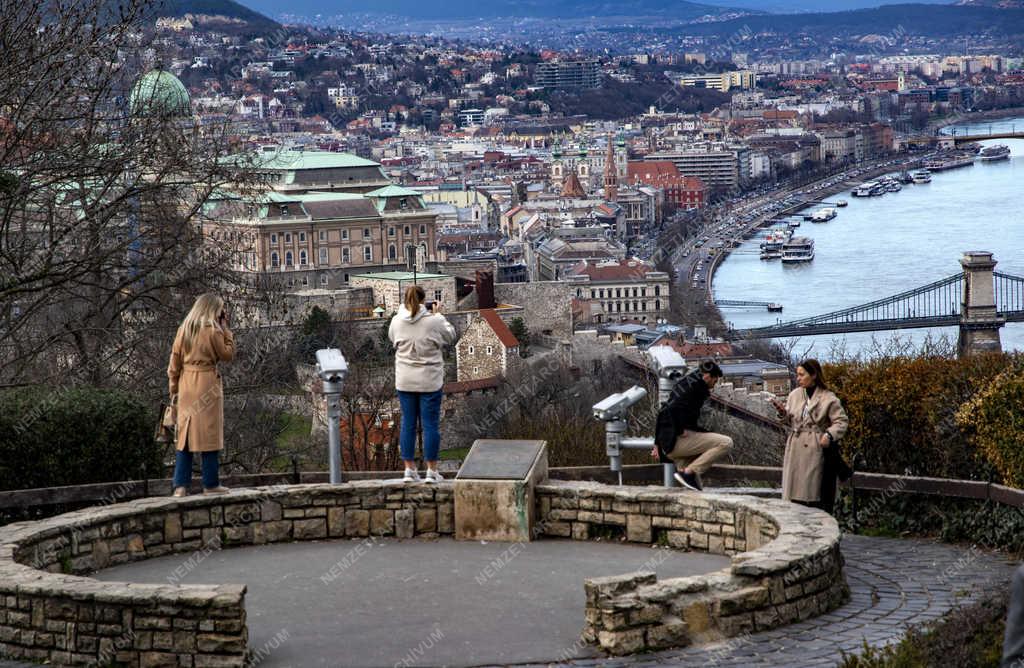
point(979, 323)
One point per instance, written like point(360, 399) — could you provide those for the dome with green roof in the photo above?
point(159, 93)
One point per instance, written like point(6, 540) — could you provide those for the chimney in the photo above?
point(485, 289)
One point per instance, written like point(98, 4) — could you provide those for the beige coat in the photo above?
point(196, 381)
point(807, 419)
point(419, 341)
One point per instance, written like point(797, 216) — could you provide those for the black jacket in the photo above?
point(681, 411)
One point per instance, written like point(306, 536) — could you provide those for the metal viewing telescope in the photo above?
point(669, 366)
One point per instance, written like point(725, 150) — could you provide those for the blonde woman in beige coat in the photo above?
point(203, 340)
point(815, 420)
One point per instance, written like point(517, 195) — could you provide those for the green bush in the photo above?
point(954, 520)
point(51, 437)
point(994, 420)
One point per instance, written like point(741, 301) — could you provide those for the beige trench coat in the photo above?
point(807, 420)
point(196, 381)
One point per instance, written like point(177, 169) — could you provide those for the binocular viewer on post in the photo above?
point(669, 366)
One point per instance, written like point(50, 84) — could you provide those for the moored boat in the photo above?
point(993, 153)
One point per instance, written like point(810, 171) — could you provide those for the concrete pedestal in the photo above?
point(494, 490)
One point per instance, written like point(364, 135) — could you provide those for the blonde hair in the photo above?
point(206, 311)
point(414, 296)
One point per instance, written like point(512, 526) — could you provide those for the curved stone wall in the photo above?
point(786, 565)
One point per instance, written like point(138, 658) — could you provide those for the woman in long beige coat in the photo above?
point(203, 340)
point(815, 420)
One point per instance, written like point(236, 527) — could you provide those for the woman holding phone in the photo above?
point(816, 421)
point(419, 335)
point(202, 340)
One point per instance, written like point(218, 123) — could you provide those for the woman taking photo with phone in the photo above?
point(419, 335)
point(816, 421)
point(203, 340)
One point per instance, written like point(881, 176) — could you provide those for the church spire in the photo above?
point(611, 179)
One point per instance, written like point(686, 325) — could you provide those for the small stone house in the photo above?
point(487, 348)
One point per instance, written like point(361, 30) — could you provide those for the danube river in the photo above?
point(879, 246)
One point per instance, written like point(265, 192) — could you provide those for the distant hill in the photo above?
point(999, 4)
point(226, 8)
point(470, 9)
point(914, 19)
point(802, 6)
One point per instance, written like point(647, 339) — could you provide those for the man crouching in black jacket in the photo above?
point(679, 438)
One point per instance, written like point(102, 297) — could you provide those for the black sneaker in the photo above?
point(689, 480)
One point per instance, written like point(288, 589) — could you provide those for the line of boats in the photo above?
point(891, 184)
point(780, 244)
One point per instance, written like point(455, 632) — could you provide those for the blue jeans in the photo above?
point(425, 407)
point(183, 469)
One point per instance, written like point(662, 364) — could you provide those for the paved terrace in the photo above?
point(397, 595)
point(429, 603)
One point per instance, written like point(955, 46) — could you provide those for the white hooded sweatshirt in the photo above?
point(419, 340)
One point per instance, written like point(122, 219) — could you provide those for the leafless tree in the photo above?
point(102, 197)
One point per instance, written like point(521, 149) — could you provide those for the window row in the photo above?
point(620, 307)
point(618, 293)
point(471, 350)
point(323, 256)
point(342, 235)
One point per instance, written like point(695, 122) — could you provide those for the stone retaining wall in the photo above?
point(786, 564)
point(49, 612)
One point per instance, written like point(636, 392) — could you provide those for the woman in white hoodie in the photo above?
point(419, 337)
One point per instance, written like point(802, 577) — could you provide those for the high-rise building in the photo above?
point(568, 74)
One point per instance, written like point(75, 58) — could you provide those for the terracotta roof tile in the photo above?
point(505, 335)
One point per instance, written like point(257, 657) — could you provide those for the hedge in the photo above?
point(69, 436)
point(904, 413)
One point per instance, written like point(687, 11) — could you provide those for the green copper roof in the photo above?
point(393, 191)
point(290, 160)
point(159, 93)
point(399, 275)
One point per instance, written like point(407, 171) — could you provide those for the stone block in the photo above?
point(672, 632)
point(310, 529)
point(198, 518)
point(560, 529)
point(382, 522)
point(270, 511)
point(100, 554)
point(219, 643)
point(426, 520)
point(274, 532)
point(697, 616)
point(494, 491)
point(405, 523)
point(638, 528)
point(357, 523)
point(678, 539)
point(580, 531)
point(619, 643)
point(158, 660)
point(742, 600)
point(736, 625)
point(335, 522)
point(446, 518)
point(172, 528)
point(716, 545)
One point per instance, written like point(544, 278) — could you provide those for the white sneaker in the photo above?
point(412, 475)
point(433, 475)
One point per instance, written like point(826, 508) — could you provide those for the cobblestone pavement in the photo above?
point(893, 583)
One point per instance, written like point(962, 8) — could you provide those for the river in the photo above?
point(880, 246)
